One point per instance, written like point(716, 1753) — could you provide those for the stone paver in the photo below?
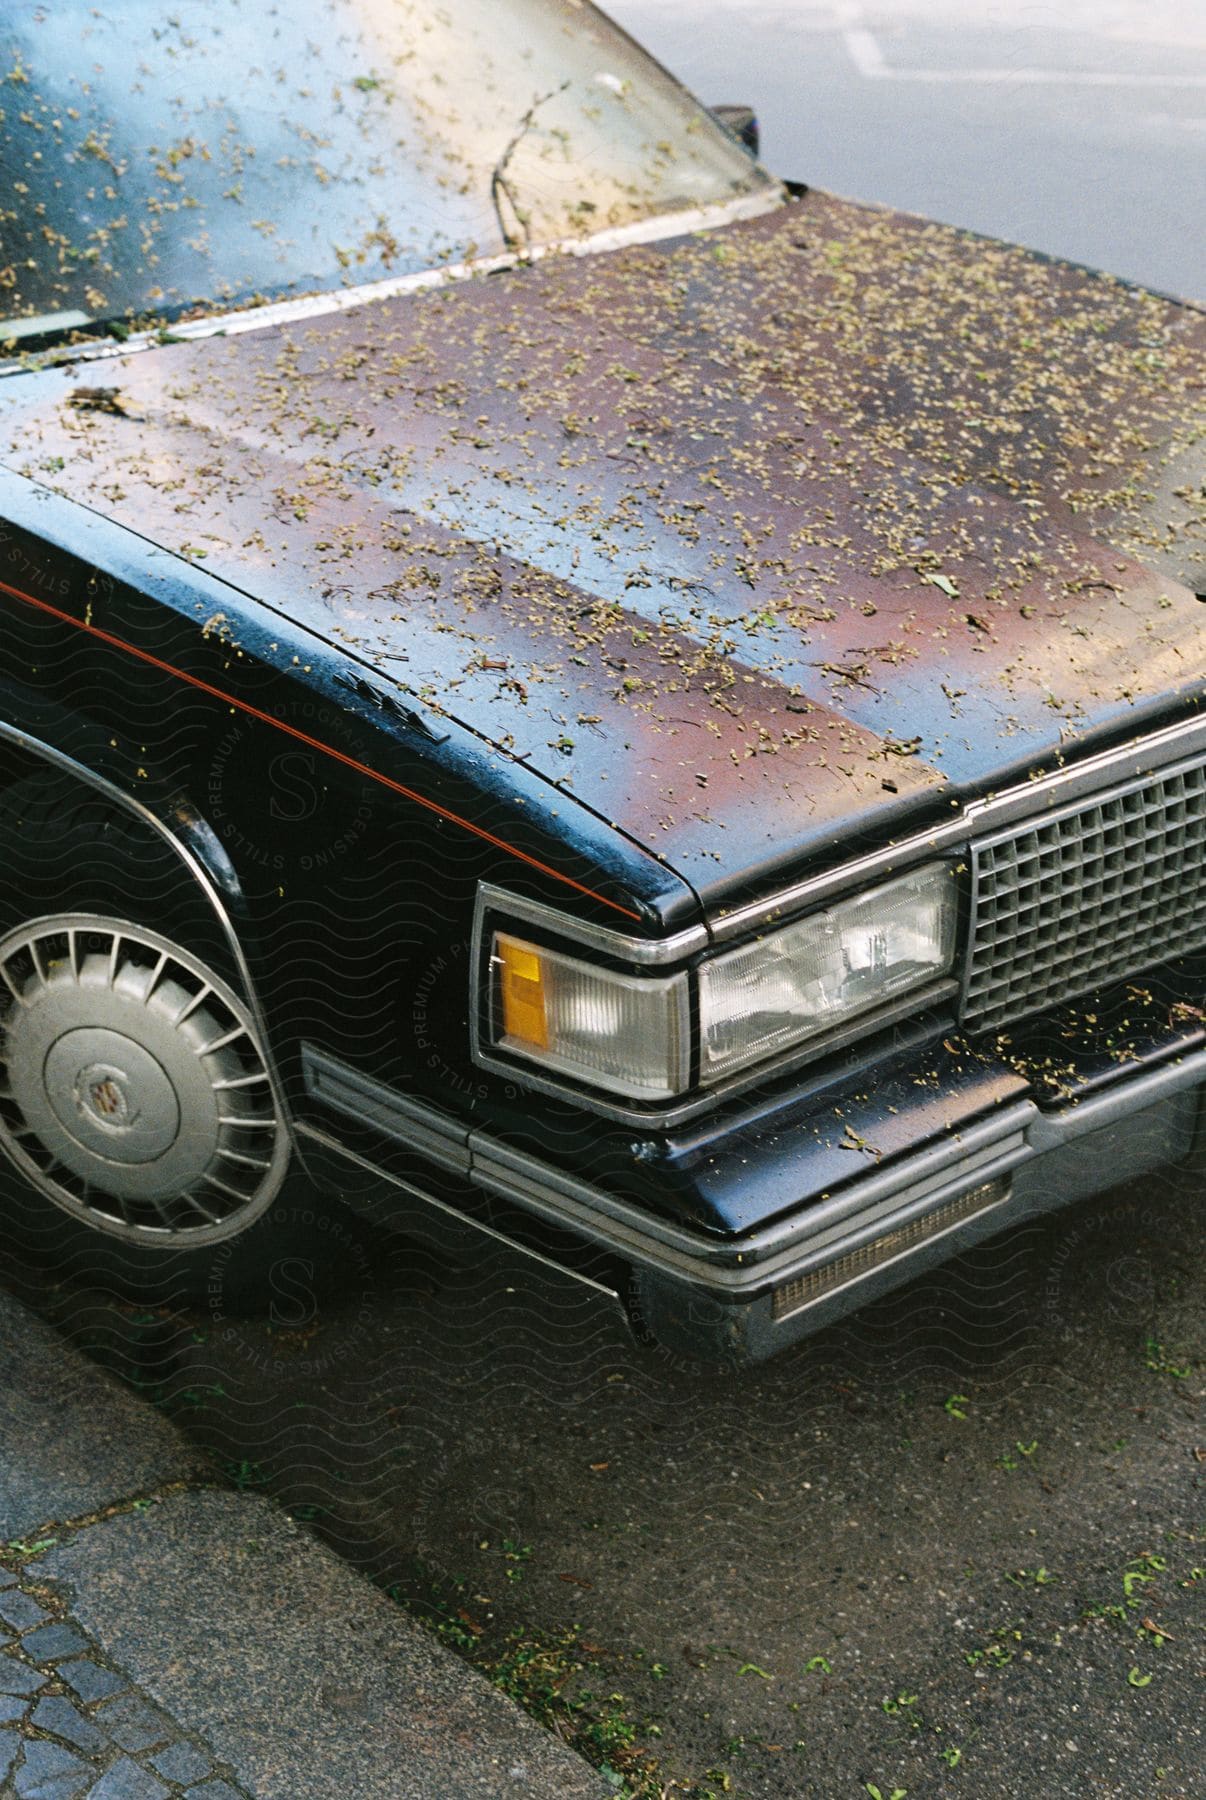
point(57, 1714)
point(10, 1750)
point(135, 1725)
point(73, 1730)
point(21, 1611)
point(92, 1680)
point(55, 1641)
point(126, 1780)
point(180, 1762)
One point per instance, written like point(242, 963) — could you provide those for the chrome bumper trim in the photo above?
point(740, 1268)
point(886, 1200)
point(437, 1213)
point(381, 1108)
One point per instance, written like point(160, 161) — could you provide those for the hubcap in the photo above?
point(111, 1096)
point(133, 1090)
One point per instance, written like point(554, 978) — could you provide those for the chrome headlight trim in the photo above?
point(499, 909)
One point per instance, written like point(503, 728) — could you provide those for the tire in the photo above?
point(136, 1099)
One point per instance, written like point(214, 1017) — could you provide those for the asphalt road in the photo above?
point(1075, 126)
point(951, 1547)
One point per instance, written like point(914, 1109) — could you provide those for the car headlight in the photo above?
point(630, 1034)
point(768, 997)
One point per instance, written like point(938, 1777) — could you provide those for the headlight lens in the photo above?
point(627, 1033)
point(766, 998)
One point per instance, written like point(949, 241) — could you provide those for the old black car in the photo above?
point(556, 687)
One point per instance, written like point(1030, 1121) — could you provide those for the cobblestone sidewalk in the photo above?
point(74, 1727)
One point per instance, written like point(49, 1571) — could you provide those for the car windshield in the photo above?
point(156, 161)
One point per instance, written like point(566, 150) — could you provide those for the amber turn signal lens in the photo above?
point(523, 999)
point(626, 1032)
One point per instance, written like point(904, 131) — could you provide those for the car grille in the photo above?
point(1094, 893)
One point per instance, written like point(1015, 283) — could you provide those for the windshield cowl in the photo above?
point(217, 323)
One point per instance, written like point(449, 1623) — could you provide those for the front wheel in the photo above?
point(136, 1099)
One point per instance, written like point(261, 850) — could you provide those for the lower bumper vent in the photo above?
point(805, 1290)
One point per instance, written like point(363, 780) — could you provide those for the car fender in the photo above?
point(62, 745)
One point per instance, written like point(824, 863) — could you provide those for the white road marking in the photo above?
point(863, 49)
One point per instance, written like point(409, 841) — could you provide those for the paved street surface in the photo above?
point(1075, 126)
point(952, 1546)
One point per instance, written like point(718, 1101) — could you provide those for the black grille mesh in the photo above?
point(1086, 898)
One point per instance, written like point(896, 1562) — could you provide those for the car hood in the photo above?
point(756, 542)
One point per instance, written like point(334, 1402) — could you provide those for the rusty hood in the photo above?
point(757, 542)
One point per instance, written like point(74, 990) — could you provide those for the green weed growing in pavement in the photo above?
point(244, 1474)
point(904, 1706)
point(452, 1623)
point(1139, 1571)
point(1104, 1612)
point(1160, 1362)
point(722, 1778)
point(999, 1650)
point(541, 1674)
point(195, 1397)
point(546, 1673)
point(516, 1556)
point(1038, 1577)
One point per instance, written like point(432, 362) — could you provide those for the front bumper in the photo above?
point(746, 1295)
point(888, 1229)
